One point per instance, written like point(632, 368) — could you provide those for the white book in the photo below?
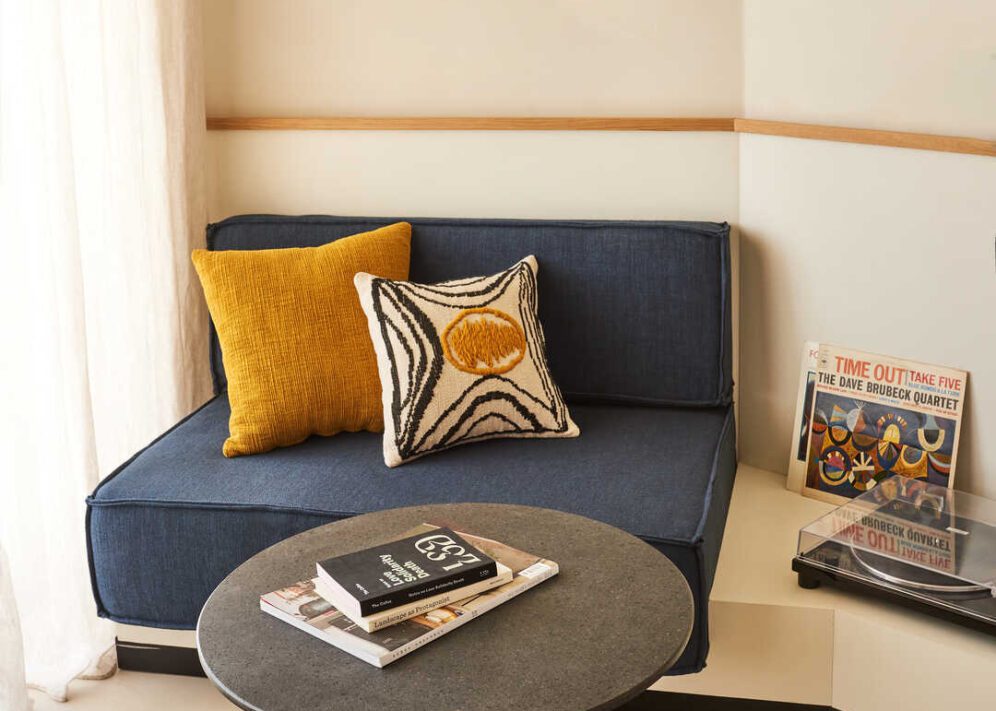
point(302, 606)
point(386, 618)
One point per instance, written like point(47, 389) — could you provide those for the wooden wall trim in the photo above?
point(896, 139)
point(471, 123)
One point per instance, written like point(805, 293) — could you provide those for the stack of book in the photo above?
point(381, 603)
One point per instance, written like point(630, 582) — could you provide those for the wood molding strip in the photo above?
point(895, 139)
point(470, 123)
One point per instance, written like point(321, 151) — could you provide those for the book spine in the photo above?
point(497, 600)
point(397, 598)
point(434, 602)
point(391, 620)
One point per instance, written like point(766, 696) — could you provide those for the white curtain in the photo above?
point(104, 332)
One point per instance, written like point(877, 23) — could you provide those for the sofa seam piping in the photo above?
point(94, 588)
point(713, 470)
point(262, 508)
point(264, 219)
point(725, 327)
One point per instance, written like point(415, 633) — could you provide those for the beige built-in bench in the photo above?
point(773, 640)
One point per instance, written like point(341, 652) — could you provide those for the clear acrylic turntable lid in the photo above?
point(939, 531)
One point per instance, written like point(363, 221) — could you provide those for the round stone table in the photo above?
point(616, 617)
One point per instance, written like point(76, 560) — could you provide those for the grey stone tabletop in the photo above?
point(616, 617)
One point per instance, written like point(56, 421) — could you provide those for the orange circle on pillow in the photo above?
point(484, 341)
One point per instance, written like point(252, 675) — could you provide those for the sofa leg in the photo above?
point(158, 659)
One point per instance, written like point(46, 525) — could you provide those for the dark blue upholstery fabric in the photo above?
point(171, 523)
point(632, 311)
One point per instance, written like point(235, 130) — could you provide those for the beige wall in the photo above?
point(477, 174)
point(881, 249)
point(908, 65)
point(487, 57)
point(497, 57)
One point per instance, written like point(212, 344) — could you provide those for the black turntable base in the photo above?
point(936, 594)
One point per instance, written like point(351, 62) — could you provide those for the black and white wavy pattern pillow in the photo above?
point(461, 361)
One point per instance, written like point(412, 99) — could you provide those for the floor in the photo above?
point(136, 691)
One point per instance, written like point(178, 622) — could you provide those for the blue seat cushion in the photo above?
point(172, 522)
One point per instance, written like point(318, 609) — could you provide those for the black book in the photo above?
point(403, 571)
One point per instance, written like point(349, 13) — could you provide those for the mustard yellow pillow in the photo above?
point(294, 339)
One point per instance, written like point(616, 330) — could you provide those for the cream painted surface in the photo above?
point(488, 57)
point(135, 691)
point(908, 65)
point(476, 174)
point(760, 541)
point(755, 565)
point(764, 652)
point(880, 249)
point(772, 639)
point(958, 676)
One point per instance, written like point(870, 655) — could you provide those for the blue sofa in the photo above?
point(637, 323)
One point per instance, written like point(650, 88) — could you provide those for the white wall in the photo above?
point(882, 249)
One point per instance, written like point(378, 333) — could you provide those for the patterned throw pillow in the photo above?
point(461, 361)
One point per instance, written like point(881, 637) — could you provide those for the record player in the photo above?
point(914, 543)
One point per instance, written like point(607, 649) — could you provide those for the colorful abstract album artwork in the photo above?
point(854, 445)
point(870, 417)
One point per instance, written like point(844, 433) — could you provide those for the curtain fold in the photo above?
point(105, 339)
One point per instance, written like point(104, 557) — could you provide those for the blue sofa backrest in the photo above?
point(632, 311)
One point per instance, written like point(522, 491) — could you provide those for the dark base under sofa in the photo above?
point(637, 322)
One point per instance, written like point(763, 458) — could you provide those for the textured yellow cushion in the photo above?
point(294, 339)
